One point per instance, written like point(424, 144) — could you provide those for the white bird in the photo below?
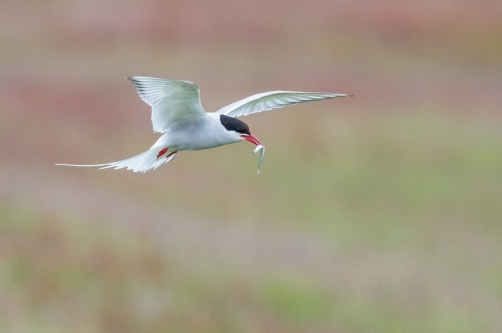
point(178, 113)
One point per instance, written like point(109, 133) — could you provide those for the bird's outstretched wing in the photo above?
point(271, 100)
point(172, 101)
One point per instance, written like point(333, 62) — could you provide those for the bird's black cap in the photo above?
point(233, 124)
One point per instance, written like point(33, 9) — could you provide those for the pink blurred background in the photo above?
point(379, 213)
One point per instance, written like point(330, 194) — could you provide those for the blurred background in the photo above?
point(377, 213)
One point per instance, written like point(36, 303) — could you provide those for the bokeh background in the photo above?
point(377, 213)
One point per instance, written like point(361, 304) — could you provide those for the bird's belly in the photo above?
point(196, 140)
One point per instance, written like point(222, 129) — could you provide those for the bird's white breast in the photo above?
point(202, 134)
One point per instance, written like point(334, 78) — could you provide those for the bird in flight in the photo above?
point(178, 114)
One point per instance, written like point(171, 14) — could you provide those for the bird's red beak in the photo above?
point(251, 138)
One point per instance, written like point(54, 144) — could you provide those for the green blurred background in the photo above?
point(378, 213)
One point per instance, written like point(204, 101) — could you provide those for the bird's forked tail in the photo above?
point(150, 159)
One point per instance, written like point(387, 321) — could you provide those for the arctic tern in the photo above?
point(178, 114)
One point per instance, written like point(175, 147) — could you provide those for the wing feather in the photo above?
point(272, 100)
point(172, 101)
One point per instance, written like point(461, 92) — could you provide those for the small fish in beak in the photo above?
point(258, 147)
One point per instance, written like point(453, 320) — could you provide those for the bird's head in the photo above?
point(238, 128)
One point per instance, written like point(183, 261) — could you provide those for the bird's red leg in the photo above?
point(162, 152)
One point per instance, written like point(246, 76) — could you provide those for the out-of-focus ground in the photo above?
point(378, 213)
